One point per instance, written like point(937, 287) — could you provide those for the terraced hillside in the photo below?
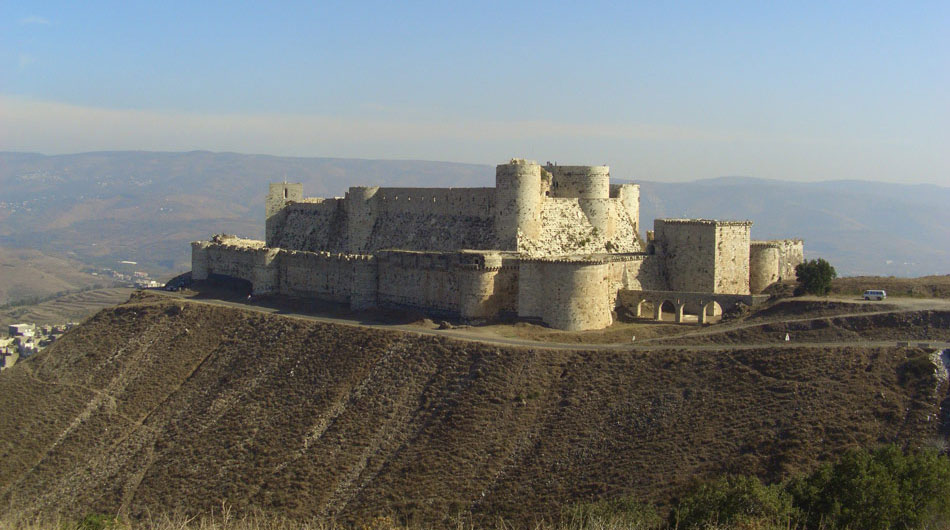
point(67, 308)
point(163, 404)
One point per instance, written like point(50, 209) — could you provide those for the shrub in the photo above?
point(814, 277)
point(879, 490)
point(735, 501)
point(621, 512)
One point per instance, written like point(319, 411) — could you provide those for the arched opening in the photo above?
point(711, 312)
point(233, 285)
point(644, 308)
point(666, 311)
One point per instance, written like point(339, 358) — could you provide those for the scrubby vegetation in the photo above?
point(882, 489)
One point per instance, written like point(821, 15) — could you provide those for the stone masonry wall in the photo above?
point(566, 228)
point(791, 254)
point(319, 275)
point(571, 295)
point(763, 265)
point(636, 273)
point(732, 257)
point(687, 249)
point(426, 280)
point(239, 258)
point(315, 225)
point(393, 218)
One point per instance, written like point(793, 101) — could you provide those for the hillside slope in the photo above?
point(158, 405)
point(30, 274)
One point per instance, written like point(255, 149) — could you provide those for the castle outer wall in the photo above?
point(556, 244)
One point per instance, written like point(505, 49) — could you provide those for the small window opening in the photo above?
point(285, 193)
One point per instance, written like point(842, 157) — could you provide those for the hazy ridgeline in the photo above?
point(146, 207)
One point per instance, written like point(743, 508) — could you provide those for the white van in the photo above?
point(875, 295)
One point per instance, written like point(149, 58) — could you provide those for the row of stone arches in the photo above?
point(677, 310)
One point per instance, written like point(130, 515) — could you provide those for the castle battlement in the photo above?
point(554, 243)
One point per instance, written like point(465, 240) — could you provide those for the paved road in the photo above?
point(479, 336)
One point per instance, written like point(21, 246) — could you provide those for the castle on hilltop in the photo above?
point(558, 244)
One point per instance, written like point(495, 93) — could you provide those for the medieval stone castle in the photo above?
point(558, 244)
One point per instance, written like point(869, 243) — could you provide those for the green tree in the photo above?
point(814, 277)
point(880, 490)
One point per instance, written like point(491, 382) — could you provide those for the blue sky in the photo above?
point(664, 91)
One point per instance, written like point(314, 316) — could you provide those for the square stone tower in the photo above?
point(703, 255)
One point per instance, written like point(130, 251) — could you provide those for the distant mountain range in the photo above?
point(101, 208)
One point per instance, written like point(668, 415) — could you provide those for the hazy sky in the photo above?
point(658, 90)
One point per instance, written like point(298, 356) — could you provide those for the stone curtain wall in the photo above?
point(463, 202)
point(732, 257)
point(403, 218)
point(640, 272)
point(238, 258)
point(791, 254)
point(425, 280)
point(435, 219)
point(319, 275)
point(314, 225)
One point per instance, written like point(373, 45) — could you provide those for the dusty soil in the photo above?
point(163, 404)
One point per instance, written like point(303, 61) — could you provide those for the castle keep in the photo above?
point(559, 244)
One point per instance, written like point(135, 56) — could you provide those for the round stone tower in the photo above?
point(590, 185)
point(763, 265)
point(361, 213)
point(477, 285)
point(517, 202)
point(580, 182)
point(577, 295)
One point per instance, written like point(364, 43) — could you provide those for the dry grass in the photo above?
point(162, 405)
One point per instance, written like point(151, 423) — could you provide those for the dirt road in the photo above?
point(475, 334)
